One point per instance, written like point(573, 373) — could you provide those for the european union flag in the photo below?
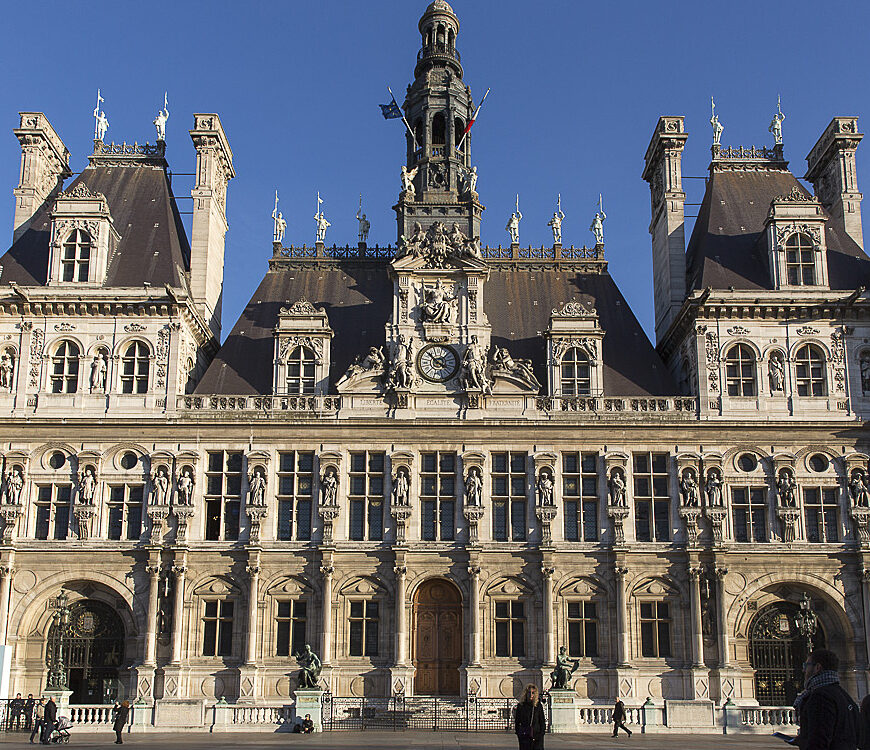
point(390, 111)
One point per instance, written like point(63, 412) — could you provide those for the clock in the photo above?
point(437, 363)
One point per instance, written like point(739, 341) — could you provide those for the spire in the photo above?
point(439, 108)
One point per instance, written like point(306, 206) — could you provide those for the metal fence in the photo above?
point(435, 713)
point(14, 715)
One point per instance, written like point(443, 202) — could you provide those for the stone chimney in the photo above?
point(214, 169)
point(663, 172)
point(44, 167)
point(831, 169)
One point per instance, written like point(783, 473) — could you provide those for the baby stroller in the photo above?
point(60, 734)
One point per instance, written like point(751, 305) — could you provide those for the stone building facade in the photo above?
point(436, 462)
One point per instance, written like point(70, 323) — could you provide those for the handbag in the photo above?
point(524, 731)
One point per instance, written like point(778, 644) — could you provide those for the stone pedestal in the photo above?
point(563, 712)
point(789, 518)
point(861, 521)
point(401, 679)
point(473, 514)
point(474, 678)
point(690, 516)
point(141, 715)
point(308, 702)
point(717, 515)
point(617, 514)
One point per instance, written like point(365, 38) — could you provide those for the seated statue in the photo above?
point(309, 674)
point(563, 671)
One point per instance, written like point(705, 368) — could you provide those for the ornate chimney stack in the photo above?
point(831, 169)
point(214, 169)
point(44, 167)
point(664, 174)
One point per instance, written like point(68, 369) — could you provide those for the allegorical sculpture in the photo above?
point(437, 307)
point(162, 117)
point(471, 180)
point(776, 123)
point(473, 374)
point(689, 488)
point(7, 370)
point(280, 226)
point(518, 368)
point(409, 192)
point(776, 373)
point(556, 222)
point(717, 126)
point(309, 674)
point(437, 245)
point(400, 374)
point(565, 667)
point(98, 372)
point(513, 225)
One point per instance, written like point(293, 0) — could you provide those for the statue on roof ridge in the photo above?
point(597, 227)
point(280, 224)
point(717, 126)
point(513, 225)
point(162, 117)
point(776, 123)
point(556, 222)
point(101, 124)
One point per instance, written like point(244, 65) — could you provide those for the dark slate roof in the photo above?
point(357, 297)
point(153, 244)
point(727, 247)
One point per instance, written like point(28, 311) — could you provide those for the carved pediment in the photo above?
point(361, 586)
point(439, 246)
point(215, 587)
point(582, 587)
point(508, 587)
point(656, 587)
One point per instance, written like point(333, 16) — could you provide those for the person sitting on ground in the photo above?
point(307, 724)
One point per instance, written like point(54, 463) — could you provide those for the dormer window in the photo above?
point(800, 264)
point(576, 375)
point(76, 259)
point(65, 368)
point(301, 371)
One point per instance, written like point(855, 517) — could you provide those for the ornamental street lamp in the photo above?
point(57, 671)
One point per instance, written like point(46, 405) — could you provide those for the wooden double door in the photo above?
point(437, 629)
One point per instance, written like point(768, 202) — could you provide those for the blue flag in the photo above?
point(390, 111)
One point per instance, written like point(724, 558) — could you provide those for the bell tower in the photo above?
point(441, 185)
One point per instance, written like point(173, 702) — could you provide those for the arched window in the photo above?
point(65, 368)
point(800, 266)
point(300, 371)
point(76, 256)
point(809, 371)
point(740, 371)
point(458, 130)
point(576, 373)
point(134, 368)
point(451, 39)
point(438, 130)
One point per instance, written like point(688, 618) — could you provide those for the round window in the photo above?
point(56, 460)
point(129, 460)
point(818, 462)
point(747, 462)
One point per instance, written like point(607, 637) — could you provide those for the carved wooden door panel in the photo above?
point(437, 639)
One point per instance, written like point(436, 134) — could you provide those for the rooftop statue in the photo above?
point(556, 222)
point(364, 224)
point(513, 225)
point(160, 120)
point(320, 221)
point(101, 124)
point(408, 176)
point(280, 225)
point(776, 123)
point(717, 126)
point(597, 227)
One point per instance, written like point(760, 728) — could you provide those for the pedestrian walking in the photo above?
point(38, 720)
point(529, 722)
point(829, 719)
point(121, 721)
point(619, 716)
point(49, 719)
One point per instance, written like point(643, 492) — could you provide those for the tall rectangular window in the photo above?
point(53, 511)
point(364, 623)
point(438, 495)
point(655, 630)
point(223, 493)
point(295, 488)
point(510, 628)
point(580, 496)
point(821, 512)
point(125, 511)
point(582, 629)
point(652, 500)
point(291, 623)
point(509, 496)
point(217, 628)
point(367, 495)
point(749, 512)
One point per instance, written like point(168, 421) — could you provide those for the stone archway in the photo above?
point(92, 648)
point(437, 638)
point(777, 652)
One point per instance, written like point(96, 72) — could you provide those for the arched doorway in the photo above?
point(777, 652)
point(92, 647)
point(437, 638)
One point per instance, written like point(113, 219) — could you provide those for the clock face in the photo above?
point(437, 363)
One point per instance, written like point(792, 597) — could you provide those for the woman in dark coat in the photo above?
point(121, 721)
point(529, 722)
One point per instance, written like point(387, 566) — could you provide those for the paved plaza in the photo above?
point(409, 740)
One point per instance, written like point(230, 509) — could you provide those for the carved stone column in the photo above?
point(253, 571)
point(401, 617)
point(722, 616)
point(327, 570)
point(622, 644)
point(549, 629)
point(865, 593)
point(149, 657)
point(474, 607)
point(695, 573)
point(179, 570)
point(6, 572)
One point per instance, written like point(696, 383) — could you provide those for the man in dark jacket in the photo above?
point(29, 705)
point(619, 716)
point(828, 717)
point(49, 720)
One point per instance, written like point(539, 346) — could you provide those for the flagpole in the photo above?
point(413, 137)
point(476, 113)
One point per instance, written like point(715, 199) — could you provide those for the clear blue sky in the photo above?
point(576, 90)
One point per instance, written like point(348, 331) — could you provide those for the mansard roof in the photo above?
point(357, 297)
point(727, 247)
point(153, 245)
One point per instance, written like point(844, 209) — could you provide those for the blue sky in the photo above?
point(576, 90)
